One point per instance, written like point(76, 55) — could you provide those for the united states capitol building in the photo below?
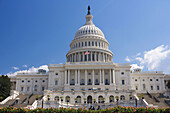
point(91, 76)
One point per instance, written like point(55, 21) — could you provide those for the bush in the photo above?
point(80, 110)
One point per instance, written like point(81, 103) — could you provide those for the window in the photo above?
point(22, 80)
point(22, 88)
point(122, 73)
point(56, 82)
point(123, 82)
point(99, 44)
point(150, 79)
point(89, 43)
point(136, 87)
point(106, 73)
point(43, 88)
point(122, 97)
point(35, 80)
point(157, 79)
point(85, 43)
point(136, 80)
point(157, 87)
point(28, 80)
point(151, 87)
point(28, 88)
point(43, 81)
point(89, 73)
point(82, 44)
point(143, 79)
point(144, 87)
point(92, 43)
point(95, 43)
point(56, 74)
point(79, 44)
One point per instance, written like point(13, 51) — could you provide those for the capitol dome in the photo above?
point(89, 44)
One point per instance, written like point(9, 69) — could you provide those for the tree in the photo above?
point(5, 86)
point(1, 98)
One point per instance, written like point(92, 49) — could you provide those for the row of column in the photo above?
point(101, 74)
point(92, 56)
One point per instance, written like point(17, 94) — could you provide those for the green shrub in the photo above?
point(81, 110)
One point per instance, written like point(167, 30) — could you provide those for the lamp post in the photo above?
point(117, 99)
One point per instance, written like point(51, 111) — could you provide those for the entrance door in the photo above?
point(89, 99)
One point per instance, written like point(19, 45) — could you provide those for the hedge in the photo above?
point(82, 110)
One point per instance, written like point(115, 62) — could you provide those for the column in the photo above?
point(114, 77)
point(91, 56)
point(65, 77)
point(85, 77)
point(83, 56)
point(95, 59)
point(106, 58)
point(110, 76)
point(99, 56)
point(79, 57)
point(93, 75)
point(103, 77)
point(75, 77)
point(72, 57)
point(100, 77)
point(78, 77)
point(68, 77)
point(103, 57)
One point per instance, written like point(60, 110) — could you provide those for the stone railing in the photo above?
point(89, 63)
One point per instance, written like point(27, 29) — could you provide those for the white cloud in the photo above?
point(15, 68)
point(127, 59)
point(30, 70)
point(138, 54)
point(135, 66)
point(157, 59)
point(25, 66)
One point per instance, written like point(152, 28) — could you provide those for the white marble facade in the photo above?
point(90, 73)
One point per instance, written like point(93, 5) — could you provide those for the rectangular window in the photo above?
point(85, 43)
point(82, 44)
point(123, 82)
point(92, 43)
point(157, 87)
point(95, 43)
point(28, 88)
point(89, 43)
point(22, 88)
point(43, 88)
point(136, 87)
point(151, 87)
point(144, 87)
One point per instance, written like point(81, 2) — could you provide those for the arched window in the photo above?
point(122, 97)
point(111, 98)
point(100, 99)
point(79, 99)
point(56, 98)
point(67, 99)
point(89, 43)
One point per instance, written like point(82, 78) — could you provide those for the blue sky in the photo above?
point(38, 32)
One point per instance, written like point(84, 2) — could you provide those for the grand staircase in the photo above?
point(20, 101)
point(155, 99)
